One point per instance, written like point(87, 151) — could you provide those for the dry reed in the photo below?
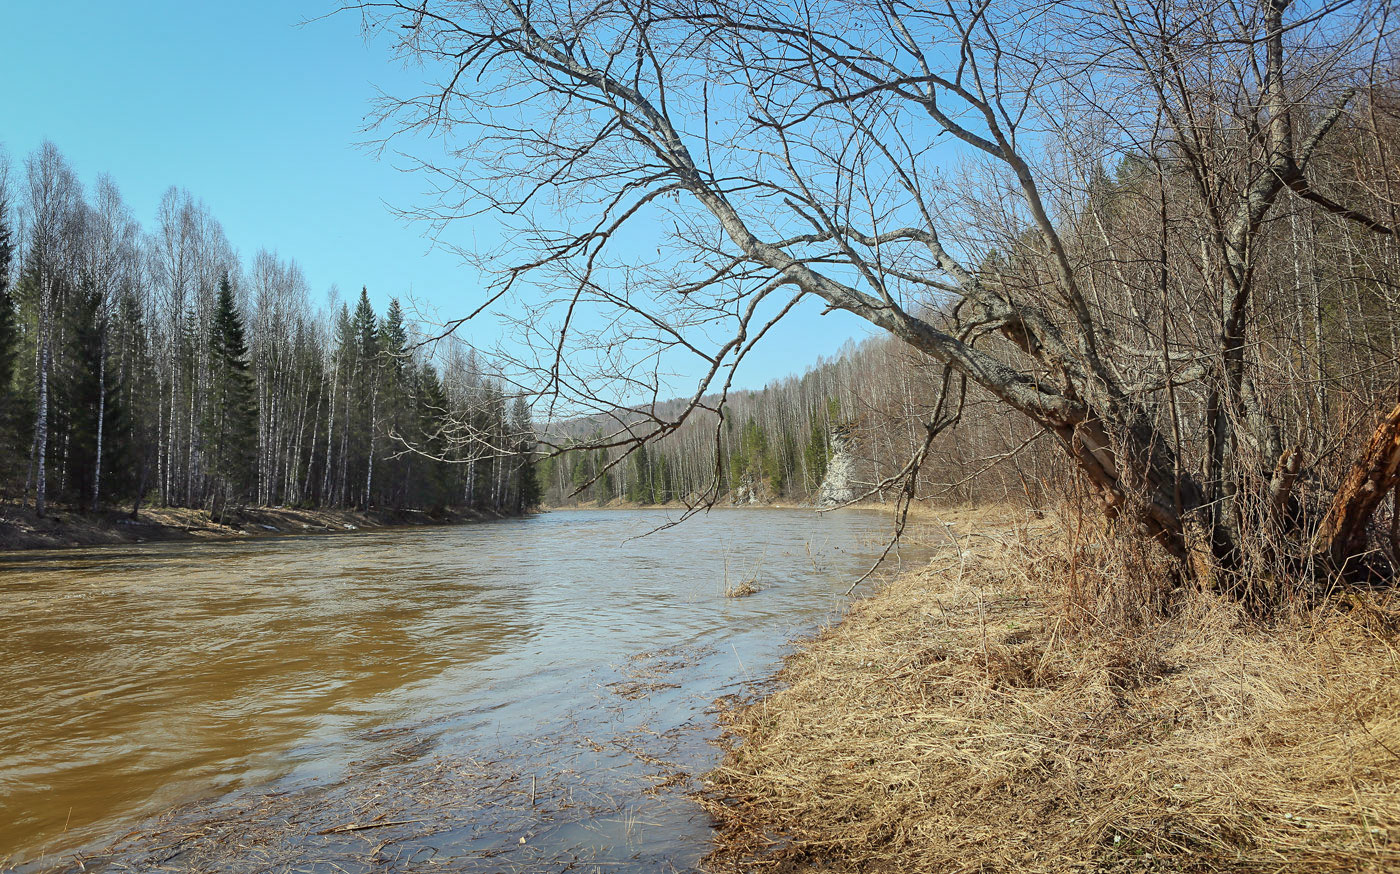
point(1040, 702)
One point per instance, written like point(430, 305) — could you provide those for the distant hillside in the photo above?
point(774, 444)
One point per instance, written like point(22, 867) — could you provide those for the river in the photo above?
point(532, 694)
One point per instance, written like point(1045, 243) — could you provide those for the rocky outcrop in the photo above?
point(839, 485)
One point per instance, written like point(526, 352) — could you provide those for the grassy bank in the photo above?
point(1035, 701)
point(64, 528)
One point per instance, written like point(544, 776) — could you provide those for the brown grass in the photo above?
point(1036, 701)
point(741, 589)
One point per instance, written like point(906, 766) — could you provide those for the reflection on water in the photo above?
point(135, 679)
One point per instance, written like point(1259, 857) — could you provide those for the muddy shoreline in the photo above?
point(65, 528)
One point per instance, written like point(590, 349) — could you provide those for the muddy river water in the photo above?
point(532, 695)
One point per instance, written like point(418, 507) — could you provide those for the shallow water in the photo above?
point(397, 690)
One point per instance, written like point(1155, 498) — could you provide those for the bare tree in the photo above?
point(918, 167)
point(112, 261)
point(54, 210)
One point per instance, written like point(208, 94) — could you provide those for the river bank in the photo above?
point(989, 513)
point(1017, 706)
point(64, 528)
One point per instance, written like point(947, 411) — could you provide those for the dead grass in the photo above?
point(741, 589)
point(1036, 701)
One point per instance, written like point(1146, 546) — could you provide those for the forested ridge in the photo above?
point(155, 364)
point(775, 443)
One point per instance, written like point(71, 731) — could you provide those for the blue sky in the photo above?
point(259, 115)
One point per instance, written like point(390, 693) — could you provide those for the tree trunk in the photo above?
point(369, 462)
point(101, 417)
point(1376, 473)
point(41, 429)
point(140, 490)
point(325, 497)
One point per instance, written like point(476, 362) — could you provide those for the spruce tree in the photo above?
point(82, 397)
point(639, 477)
point(232, 429)
point(366, 397)
point(395, 413)
point(393, 335)
point(432, 425)
point(527, 484)
point(366, 327)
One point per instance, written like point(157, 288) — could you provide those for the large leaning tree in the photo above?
point(680, 174)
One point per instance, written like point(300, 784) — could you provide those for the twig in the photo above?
point(349, 827)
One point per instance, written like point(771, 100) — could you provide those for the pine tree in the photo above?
point(231, 429)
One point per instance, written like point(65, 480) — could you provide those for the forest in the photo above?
point(157, 365)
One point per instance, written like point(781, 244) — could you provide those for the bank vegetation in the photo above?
point(1044, 697)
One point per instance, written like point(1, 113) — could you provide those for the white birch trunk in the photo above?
point(101, 420)
point(41, 424)
point(369, 466)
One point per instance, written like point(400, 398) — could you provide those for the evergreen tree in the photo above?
point(135, 376)
point(85, 397)
point(529, 491)
point(10, 450)
point(527, 484)
point(365, 398)
point(232, 428)
point(393, 335)
point(817, 454)
point(583, 470)
point(665, 491)
point(431, 412)
point(639, 478)
point(395, 414)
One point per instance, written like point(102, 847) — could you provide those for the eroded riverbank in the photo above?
point(384, 699)
point(64, 528)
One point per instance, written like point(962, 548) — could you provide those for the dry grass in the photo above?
point(747, 583)
point(741, 589)
point(1040, 702)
